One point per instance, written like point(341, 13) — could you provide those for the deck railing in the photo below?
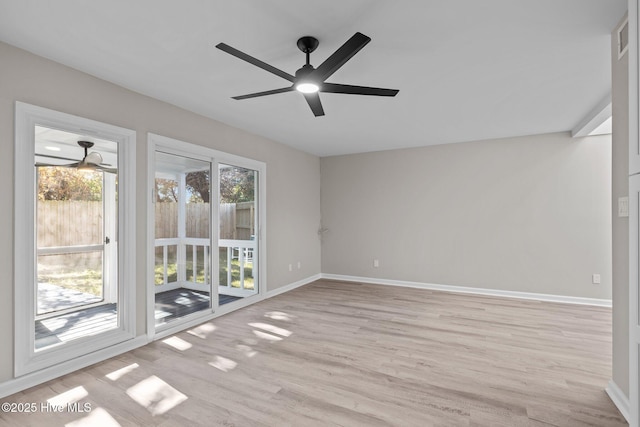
point(200, 278)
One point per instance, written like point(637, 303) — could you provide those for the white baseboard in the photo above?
point(619, 399)
point(293, 285)
point(471, 290)
point(23, 382)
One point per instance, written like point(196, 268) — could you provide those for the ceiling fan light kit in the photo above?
point(90, 162)
point(309, 80)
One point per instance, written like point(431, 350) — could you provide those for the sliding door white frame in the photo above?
point(182, 148)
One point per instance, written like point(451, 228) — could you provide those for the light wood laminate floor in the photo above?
point(347, 354)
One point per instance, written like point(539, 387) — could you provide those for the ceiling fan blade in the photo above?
point(357, 90)
point(71, 165)
point(313, 99)
point(108, 170)
point(340, 56)
point(265, 93)
point(250, 59)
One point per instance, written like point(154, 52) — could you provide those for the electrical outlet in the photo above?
point(299, 265)
point(595, 279)
point(376, 263)
point(290, 267)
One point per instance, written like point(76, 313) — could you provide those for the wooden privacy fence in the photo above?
point(196, 221)
point(237, 220)
point(72, 223)
point(69, 223)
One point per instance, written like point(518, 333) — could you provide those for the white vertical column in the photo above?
point(182, 228)
point(634, 229)
point(110, 252)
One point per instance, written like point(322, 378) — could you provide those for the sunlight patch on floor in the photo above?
point(266, 336)
point(70, 396)
point(271, 328)
point(278, 315)
point(246, 350)
point(202, 331)
point(224, 364)
point(116, 375)
point(97, 417)
point(178, 343)
point(156, 395)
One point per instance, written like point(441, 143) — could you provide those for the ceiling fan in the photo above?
point(90, 161)
point(309, 80)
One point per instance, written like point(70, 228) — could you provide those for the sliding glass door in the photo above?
point(205, 241)
point(237, 245)
point(182, 245)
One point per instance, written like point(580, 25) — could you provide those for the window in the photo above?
point(74, 288)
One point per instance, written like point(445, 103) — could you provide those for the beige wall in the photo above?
point(293, 177)
point(620, 188)
point(529, 214)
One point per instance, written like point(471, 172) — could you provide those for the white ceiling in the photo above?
point(466, 69)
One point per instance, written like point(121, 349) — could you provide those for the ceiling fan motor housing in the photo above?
point(307, 44)
point(304, 71)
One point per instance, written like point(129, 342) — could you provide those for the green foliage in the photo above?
point(60, 183)
point(88, 281)
point(166, 190)
point(237, 185)
point(198, 186)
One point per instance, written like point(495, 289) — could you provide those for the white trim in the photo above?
point(471, 290)
point(58, 250)
point(294, 285)
point(634, 110)
point(236, 292)
point(26, 359)
point(150, 286)
point(16, 385)
point(618, 398)
point(598, 115)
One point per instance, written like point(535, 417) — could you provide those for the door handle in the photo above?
point(107, 240)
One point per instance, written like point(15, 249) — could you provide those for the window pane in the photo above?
point(182, 237)
point(237, 203)
point(238, 243)
point(166, 207)
point(69, 280)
